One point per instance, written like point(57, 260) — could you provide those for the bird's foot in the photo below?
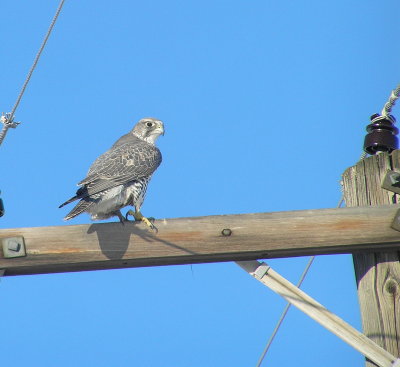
point(121, 217)
point(140, 218)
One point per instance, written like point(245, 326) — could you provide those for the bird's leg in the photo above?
point(141, 218)
point(120, 217)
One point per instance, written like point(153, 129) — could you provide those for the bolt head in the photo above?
point(13, 247)
point(226, 232)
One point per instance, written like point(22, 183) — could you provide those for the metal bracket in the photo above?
point(13, 247)
point(391, 181)
point(261, 270)
point(8, 119)
point(396, 221)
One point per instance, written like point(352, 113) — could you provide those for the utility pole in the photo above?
point(378, 272)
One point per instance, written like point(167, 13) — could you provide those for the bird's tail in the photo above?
point(69, 201)
point(81, 207)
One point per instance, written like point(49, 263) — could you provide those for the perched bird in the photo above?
point(120, 176)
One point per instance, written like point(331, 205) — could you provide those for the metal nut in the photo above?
point(13, 247)
point(226, 232)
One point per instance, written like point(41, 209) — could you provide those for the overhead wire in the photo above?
point(284, 312)
point(288, 305)
point(387, 108)
point(8, 119)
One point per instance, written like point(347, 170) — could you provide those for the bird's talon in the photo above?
point(133, 214)
point(149, 223)
point(140, 218)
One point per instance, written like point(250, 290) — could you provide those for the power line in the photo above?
point(286, 309)
point(8, 119)
point(392, 100)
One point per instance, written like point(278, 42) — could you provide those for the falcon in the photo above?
point(120, 176)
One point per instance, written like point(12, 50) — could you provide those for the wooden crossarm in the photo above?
point(202, 239)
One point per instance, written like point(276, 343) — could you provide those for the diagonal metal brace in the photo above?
point(263, 273)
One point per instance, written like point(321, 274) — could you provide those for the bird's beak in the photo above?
point(161, 127)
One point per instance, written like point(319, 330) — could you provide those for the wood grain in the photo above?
point(200, 239)
point(377, 273)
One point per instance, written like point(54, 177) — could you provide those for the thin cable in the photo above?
point(286, 309)
point(9, 120)
point(391, 102)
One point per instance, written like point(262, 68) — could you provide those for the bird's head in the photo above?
point(148, 129)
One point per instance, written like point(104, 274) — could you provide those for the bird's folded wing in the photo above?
point(118, 166)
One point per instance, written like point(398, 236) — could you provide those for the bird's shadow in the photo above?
point(115, 246)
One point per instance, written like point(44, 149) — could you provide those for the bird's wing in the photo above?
point(119, 165)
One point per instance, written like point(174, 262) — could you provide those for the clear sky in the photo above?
point(265, 104)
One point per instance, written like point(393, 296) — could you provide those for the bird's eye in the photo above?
point(149, 124)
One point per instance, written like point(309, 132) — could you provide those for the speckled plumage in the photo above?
point(120, 176)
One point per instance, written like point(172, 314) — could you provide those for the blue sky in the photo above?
point(265, 104)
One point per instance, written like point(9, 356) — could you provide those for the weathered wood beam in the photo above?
point(378, 272)
point(201, 239)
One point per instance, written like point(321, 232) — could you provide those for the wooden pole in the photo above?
point(377, 273)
